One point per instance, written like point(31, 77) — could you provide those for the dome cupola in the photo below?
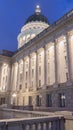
point(37, 16)
point(34, 24)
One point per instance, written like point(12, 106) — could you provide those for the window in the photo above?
point(33, 35)
point(48, 100)
point(26, 75)
point(66, 61)
point(25, 85)
point(67, 76)
point(39, 83)
point(20, 77)
point(38, 100)
point(28, 38)
point(32, 73)
point(30, 100)
point(39, 70)
point(3, 100)
point(20, 86)
point(62, 99)
point(24, 38)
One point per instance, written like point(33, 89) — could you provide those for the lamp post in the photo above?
point(63, 100)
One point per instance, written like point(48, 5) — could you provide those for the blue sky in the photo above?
point(13, 14)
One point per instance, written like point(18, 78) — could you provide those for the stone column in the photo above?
point(0, 73)
point(45, 66)
point(23, 80)
point(12, 75)
point(55, 62)
point(29, 73)
point(17, 88)
point(68, 58)
point(36, 70)
point(8, 78)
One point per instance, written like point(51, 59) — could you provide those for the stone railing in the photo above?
point(36, 123)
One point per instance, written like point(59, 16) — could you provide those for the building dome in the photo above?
point(34, 24)
point(37, 17)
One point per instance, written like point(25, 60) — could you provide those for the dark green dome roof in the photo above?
point(37, 17)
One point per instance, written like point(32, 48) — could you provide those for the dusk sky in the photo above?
point(13, 14)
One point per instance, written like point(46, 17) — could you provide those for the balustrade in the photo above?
point(37, 123)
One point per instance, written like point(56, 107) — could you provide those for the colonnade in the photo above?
point(50, 62)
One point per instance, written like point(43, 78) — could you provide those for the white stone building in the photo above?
point(40, 72)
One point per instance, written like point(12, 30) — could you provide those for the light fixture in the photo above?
point(14, 95)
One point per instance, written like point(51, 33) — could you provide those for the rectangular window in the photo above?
point(62, 99)
point(20, 86)
point(39, 70)
point(26, 75)
point(48, 100)
point(39, 83)
point(38, 100)
point(2, 100)
point(25, 85)
point(20, 77)
point(67, 76)
point(30, 100)
point(32, 73)
point(66, 61)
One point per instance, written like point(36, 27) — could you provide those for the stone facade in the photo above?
point(40, 73)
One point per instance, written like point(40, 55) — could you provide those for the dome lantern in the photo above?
point(38, 10)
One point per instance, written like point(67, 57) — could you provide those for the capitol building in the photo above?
point(40, 72)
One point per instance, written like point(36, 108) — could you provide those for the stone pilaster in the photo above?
point(55, 63)
point(23, 80)
point(0, 73)
point(68, 57)
point(17, 84)
point(12, 75)
point(36, 86)
point(45, 66)
point(29, 71)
